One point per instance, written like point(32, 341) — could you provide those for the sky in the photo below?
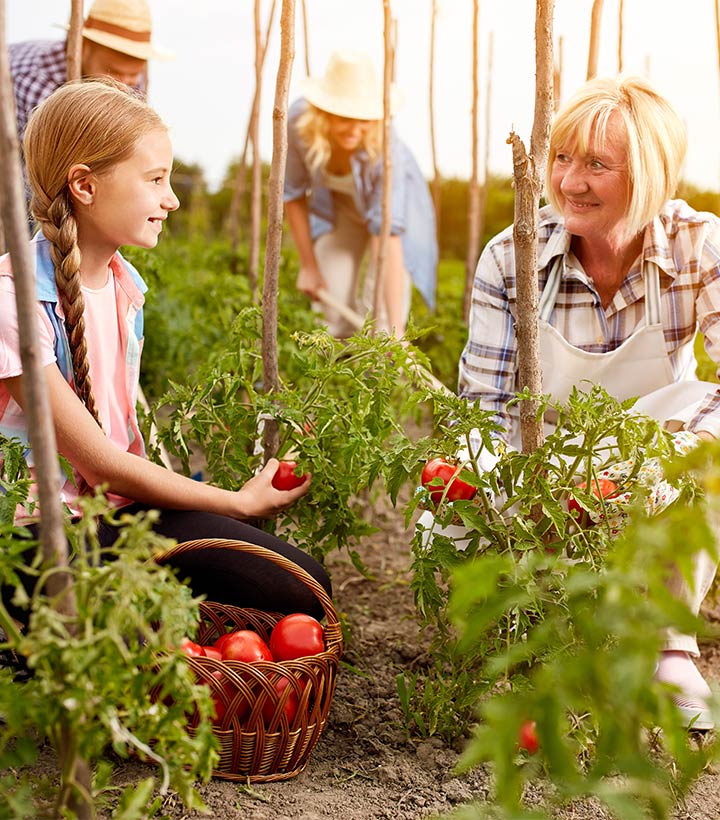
point(205, 93)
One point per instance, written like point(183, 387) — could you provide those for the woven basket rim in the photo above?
point(262, 552)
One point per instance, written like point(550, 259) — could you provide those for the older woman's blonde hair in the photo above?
point(656, 140)
point(313, 126)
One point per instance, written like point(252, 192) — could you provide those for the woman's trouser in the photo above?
point(339, 254)
point(225, 576)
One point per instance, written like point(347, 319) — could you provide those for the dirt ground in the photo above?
point(364, 767)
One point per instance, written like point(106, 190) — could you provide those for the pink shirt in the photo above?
point(106, 363)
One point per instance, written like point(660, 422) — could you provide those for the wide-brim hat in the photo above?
point(124, 26)
point(349, 88)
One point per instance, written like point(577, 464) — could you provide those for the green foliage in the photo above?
point(340, 410)
point(537, 618)
point(105, 677)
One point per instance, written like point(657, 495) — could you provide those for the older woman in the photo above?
point(627, 277)
point(333, 192)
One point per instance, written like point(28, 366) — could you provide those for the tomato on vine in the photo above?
point(438, 473)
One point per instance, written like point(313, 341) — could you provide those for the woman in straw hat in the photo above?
point(117, 43)
point(333, 192)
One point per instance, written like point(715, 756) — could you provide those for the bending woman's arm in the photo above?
point(99, 461)
point(310, 279)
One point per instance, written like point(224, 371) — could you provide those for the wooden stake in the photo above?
point(273, 240)
point(239, 186)
point(388, 69)
point(73, 49)
point(528, 172)
point(76, 786)
point(256, 190)
point(595, 20)
point(473, 245)
point(431, 106)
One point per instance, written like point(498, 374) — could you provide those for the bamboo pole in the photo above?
point(473, 245)
point(431, 106)
point(239, 186)
point(76, 790)
point(275, 219)
point(388, 69)
point(595, 19)
point(528, 173)
point(73, 48)
point(621, 15)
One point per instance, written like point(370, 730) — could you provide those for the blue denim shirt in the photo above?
point(412, 212)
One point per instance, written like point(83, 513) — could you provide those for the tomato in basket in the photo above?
point(291, 704)
point(296, 636)
point(245, 645)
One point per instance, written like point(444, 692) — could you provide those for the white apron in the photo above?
point(639, 367)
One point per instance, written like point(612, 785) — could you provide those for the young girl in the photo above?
point(333, 198)
point(99, 161)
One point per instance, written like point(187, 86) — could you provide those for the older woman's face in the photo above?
point(593, 187)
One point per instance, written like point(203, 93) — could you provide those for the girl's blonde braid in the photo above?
point(60, 228)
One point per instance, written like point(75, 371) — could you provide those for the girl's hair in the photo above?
point(656, 140)
point(95, 123)
point(313, 128)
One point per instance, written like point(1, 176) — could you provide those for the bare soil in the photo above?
point(364, 766)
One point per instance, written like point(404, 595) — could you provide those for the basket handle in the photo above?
point(261, 552)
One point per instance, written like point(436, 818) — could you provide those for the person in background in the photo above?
point(627, 277)
point(99, 161)
point(333, 199)
point(117, 43)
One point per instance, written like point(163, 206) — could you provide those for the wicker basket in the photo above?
point(257, 741)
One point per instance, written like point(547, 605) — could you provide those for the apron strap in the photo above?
point(651, 275)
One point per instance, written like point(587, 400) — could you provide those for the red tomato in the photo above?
point(527, 737)
point(220, 642)
point(213, 652)
point(286, 478)
point(245, 645)
point(291, 704)
point(296, 636)
point(439, 468)
point(607, 488)
point(241, 708)
point(192, 649)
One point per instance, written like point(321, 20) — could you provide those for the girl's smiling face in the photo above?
point(346, 133)
point(594, 186)
point(127, 204)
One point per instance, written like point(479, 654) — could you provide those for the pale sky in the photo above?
point(205, 93)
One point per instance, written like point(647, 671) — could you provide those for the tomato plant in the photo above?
point(286, 478)
point(296, 636)
point(245, 645)
point(604, 488)
point(527, 737)
point(438, 473)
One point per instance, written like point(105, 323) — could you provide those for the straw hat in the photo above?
point(349, 88)
point(124, 26)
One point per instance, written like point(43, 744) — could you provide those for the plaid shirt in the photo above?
point(684, 243)
point(37, 68)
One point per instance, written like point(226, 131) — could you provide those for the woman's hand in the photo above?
point(257, 498)
point(310, 281)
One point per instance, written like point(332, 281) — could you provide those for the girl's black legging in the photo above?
point(227, 576)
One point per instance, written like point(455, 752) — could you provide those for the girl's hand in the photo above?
point(310, 281)
point(257, 498)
